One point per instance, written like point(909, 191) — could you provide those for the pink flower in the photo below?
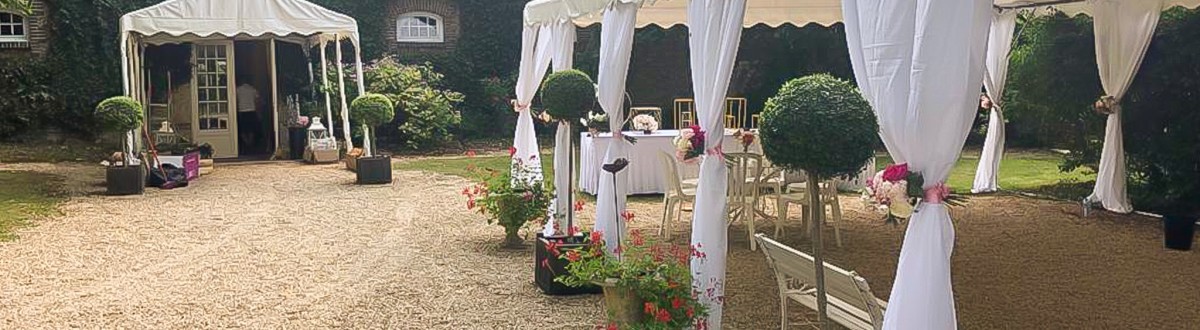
point(896, 172)
point(627, 216)
point(470, 153)
point(512, 151)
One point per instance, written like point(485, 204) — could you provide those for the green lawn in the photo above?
point(1019, 171)
point(24, 195)
point(458, 165)
point(1031, 171)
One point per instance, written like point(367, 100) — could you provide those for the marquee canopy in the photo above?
point(197, 19)
point(668, 13)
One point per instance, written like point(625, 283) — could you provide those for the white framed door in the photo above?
point(215, 120)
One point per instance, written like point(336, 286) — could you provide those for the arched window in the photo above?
point(419, 27)
point(12, 28)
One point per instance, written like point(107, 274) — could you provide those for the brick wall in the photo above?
point(447, 9)
point(37, 26)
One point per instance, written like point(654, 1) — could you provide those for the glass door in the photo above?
point(216, 124)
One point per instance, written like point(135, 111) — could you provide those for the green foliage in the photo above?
point(821, 125)
point(428, 109)
point(1054, 81)
point(506, 202)
point(20, 6)
point(119, 113)
point(568, 95)
point(372, 109)
point(26, 97)
point(658, 273)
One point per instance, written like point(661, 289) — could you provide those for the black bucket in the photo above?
point(1178, 232)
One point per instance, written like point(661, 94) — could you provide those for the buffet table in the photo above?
point(646, 169)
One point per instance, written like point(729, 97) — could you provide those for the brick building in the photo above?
point(22, 34)
point(421, 26)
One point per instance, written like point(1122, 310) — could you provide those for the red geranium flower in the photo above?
point(572, 256)
point(470, 153)
point(649, 308)
point(676, 302)
point(470, 203)
point(512, 151)
point(896, 172)
point(662, 316)
point(638, 240)
point(627, 216)
point(578, 205)
point(552, 246)
point(466, 191)
point(597, 237)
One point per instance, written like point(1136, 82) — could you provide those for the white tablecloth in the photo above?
point(646, 171)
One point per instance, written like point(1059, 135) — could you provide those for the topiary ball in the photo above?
point(821, 125)
point(119, 114)
point(568, 95)
point(372, 109)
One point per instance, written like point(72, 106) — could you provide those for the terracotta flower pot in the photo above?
point(622, 304)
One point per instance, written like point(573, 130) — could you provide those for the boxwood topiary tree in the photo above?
point(820, 125)
point(371, 110)
point(120, 114)
point(568, 95)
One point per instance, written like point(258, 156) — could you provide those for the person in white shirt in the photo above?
point(247, 113)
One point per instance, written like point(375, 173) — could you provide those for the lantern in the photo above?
point(322, 147)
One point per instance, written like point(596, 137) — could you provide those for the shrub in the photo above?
point(428, 110)
point(26, 98)
point(507, 202)
point(568, 95)
point(119, 114)
point(821, 125)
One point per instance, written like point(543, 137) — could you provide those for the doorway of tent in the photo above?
point(252, 89)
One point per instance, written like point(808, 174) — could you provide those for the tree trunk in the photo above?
point(818, 212)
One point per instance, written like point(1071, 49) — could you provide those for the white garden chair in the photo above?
point(676, 195)
point(797, 193)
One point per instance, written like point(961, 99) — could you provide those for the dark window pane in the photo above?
point(6, 30)
point(17, 19)
point(19, 30)
point(5, 18)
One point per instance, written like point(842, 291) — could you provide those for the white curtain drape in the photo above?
point(920, 65)
point(562, 43)
point(1000, 38)
point(1123, 32)
point(715, 28)
point(616, 45)
point(535, 57)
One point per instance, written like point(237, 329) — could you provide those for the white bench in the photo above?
point(850, 301)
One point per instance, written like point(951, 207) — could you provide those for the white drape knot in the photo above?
point(716, 151)
point(518, 106)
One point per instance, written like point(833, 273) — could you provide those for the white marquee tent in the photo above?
point(937, 66)
point(179, 21)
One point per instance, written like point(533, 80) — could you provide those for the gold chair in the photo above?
point(754, 120)
point(684, 108)
point(736, 107)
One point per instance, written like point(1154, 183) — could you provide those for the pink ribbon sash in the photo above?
point(936, 194)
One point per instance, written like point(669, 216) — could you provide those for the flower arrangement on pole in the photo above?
point(896, 191)
point(819, 125)
point(689, 145)
point(645, 123)
point(646, 285)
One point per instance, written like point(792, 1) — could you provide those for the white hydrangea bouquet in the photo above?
point(645, 123)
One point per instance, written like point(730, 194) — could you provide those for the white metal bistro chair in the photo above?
point(675, 196)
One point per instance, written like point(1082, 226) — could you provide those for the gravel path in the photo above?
point(286, 245)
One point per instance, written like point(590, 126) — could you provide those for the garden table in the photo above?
point(645, 171)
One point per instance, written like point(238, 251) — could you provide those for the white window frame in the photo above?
point(439, 28)
point(24, 36)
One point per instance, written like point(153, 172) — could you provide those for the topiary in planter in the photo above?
point(820, 125)
point(371, 110)
point(120, 114)
point(568, 95)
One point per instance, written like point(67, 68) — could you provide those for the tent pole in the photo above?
point(358, 71)
point(337, 44)
point(325, 87)
point(274, 98)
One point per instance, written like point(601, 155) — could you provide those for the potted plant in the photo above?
point(822, 126)
point(568, 97)
point(122, 114)
point(372, 110)
point(646, 284)
point(507, 202)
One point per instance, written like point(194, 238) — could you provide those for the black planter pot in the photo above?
point(544, 276)
point(125, 180)
point(374, 170)
point(297, 141)
point(1178, 232)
